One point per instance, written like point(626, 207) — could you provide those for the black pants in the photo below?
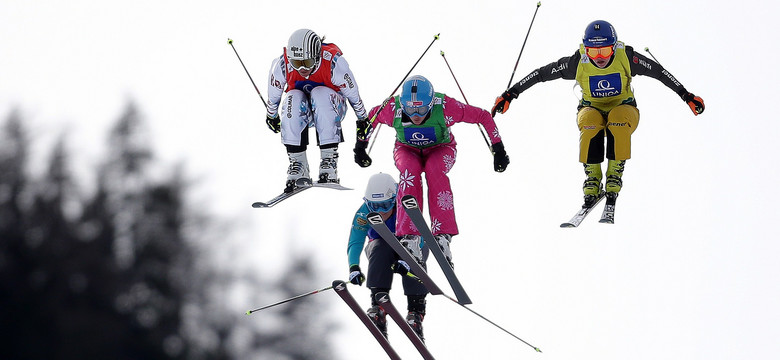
point(381, 258)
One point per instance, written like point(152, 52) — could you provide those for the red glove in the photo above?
point(695, 103)
point(502, 103)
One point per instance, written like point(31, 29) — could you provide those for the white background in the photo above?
point(688, 271)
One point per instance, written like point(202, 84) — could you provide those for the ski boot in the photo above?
point(378, 317)
point(415, 319)
point(412, 243)
point(614, 182)
point(298, 169)
point(592, 187)
point(444, 244)
point(328, 171)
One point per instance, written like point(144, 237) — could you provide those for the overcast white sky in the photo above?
point(689, 270)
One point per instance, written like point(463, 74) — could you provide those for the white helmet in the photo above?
point(380, 192)
point(303, 49)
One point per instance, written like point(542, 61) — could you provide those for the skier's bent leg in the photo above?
point(622, 121)
point(591, 124)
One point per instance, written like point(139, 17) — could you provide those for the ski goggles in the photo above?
point(597, 52)
point(380, 206)
point(416, 110)
point(305, 64)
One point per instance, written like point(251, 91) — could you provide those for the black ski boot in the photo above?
point(592, 199)
point(611, 198)
point(415, 319)
point(378, 317)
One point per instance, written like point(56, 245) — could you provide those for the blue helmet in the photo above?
point(599, 34)
point(417, 96)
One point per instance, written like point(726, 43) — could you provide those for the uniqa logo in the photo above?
point(604, 85)
point(604, 89)
point(419, 138)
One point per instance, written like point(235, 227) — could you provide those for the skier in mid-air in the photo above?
point(603, 68)
point(424, 144)
point(383, 262)
point(317, 80)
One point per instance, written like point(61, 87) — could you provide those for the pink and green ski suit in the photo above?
point(430, 148)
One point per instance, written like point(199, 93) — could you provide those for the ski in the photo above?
point(383, 299)
point(581, 214)
point(378, 224)
point(411, 208)
point(608, 215)
point(341, 289)
point(300, 185)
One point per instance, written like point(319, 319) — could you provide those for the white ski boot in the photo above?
point(299, 168)
point(444, 244)
point(412, 243)
point(328, 166)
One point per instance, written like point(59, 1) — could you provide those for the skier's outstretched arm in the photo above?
point(642, 65)
point(564, 68)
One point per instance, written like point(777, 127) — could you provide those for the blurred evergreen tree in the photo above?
point(121, 273)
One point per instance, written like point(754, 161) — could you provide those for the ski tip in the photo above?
point(567, 225)
point(606, 221)
point(338, 284)
point(259, 205)
point(409, 201)
point(374, 218)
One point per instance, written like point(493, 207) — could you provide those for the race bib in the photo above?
point(605, 85)
point(421, 137)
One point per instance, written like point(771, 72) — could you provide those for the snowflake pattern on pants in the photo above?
point(444, 200)
point(407, 180)
point(449, 162)
point(435, 226)
point(496, 134)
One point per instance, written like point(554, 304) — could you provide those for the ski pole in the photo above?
point(656, 60)
point(373, 118)
point(476, 313)
point(659, 63)
point(464, 98)
point(230, 41)
point(651, 55)
point(249, 312)
point(492, 323)
point(523, 47)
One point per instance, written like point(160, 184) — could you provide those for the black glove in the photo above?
point(362, 129)
point(356, 276)
point(502, 103)
point(401, 267)
point(361, 157)
point(500, 158)
point(694, 102)
point(274, 124)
